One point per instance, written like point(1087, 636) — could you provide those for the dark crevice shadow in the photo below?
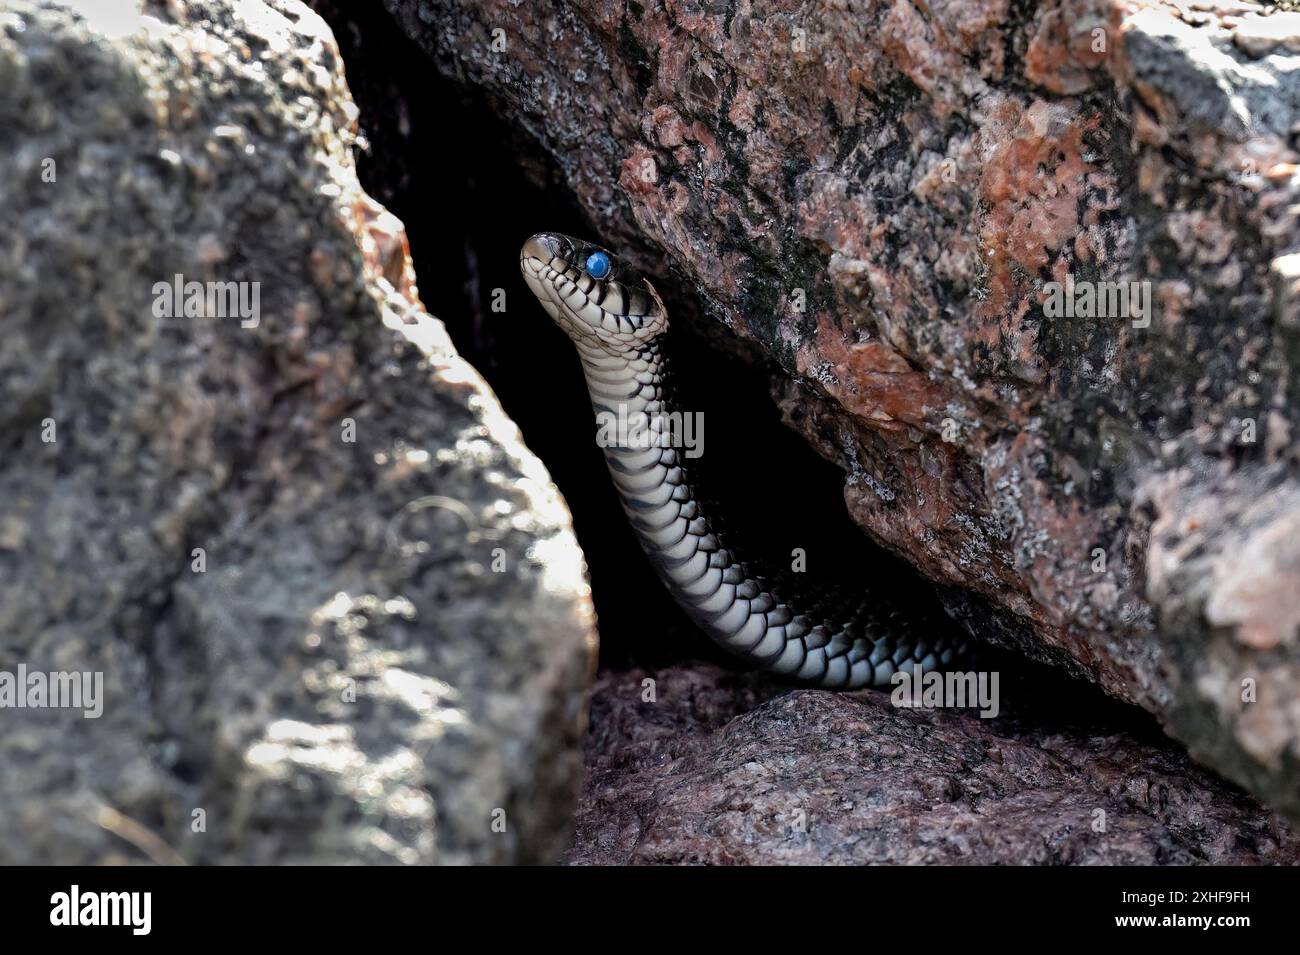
point(470, 190)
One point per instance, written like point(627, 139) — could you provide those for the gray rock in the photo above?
point(349, 677)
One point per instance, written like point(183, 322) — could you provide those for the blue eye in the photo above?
point(598, 265)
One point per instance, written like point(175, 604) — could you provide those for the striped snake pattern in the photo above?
point(832, 636)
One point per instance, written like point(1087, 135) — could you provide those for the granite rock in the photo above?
point(337, 607)
point(925, 215)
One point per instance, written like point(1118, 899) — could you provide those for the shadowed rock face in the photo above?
point(881, 196)
point(725, 768)
point(274, 534)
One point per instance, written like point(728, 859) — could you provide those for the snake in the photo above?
point(826, 634)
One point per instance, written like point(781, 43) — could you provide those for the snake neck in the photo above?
point(823, 640)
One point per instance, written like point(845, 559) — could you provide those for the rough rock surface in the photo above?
point(914, 175)
point(726, 768)
point(339, 675)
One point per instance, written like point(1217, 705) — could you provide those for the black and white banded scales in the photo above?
point(831, 637)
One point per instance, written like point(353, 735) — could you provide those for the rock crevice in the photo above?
point(890, 199)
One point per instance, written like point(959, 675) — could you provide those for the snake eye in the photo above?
point(598, 265)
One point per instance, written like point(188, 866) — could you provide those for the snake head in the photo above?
point(593, 295)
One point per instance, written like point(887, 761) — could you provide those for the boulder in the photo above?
point(335, 608)
point(693, 764)
point(1029, 273)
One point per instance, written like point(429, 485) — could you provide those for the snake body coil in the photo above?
point(617, 322)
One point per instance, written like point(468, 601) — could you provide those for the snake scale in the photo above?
point(827, 636)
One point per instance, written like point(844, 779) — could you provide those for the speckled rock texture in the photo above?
point(726, 768)
point(275, 540)
point(879, 194)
